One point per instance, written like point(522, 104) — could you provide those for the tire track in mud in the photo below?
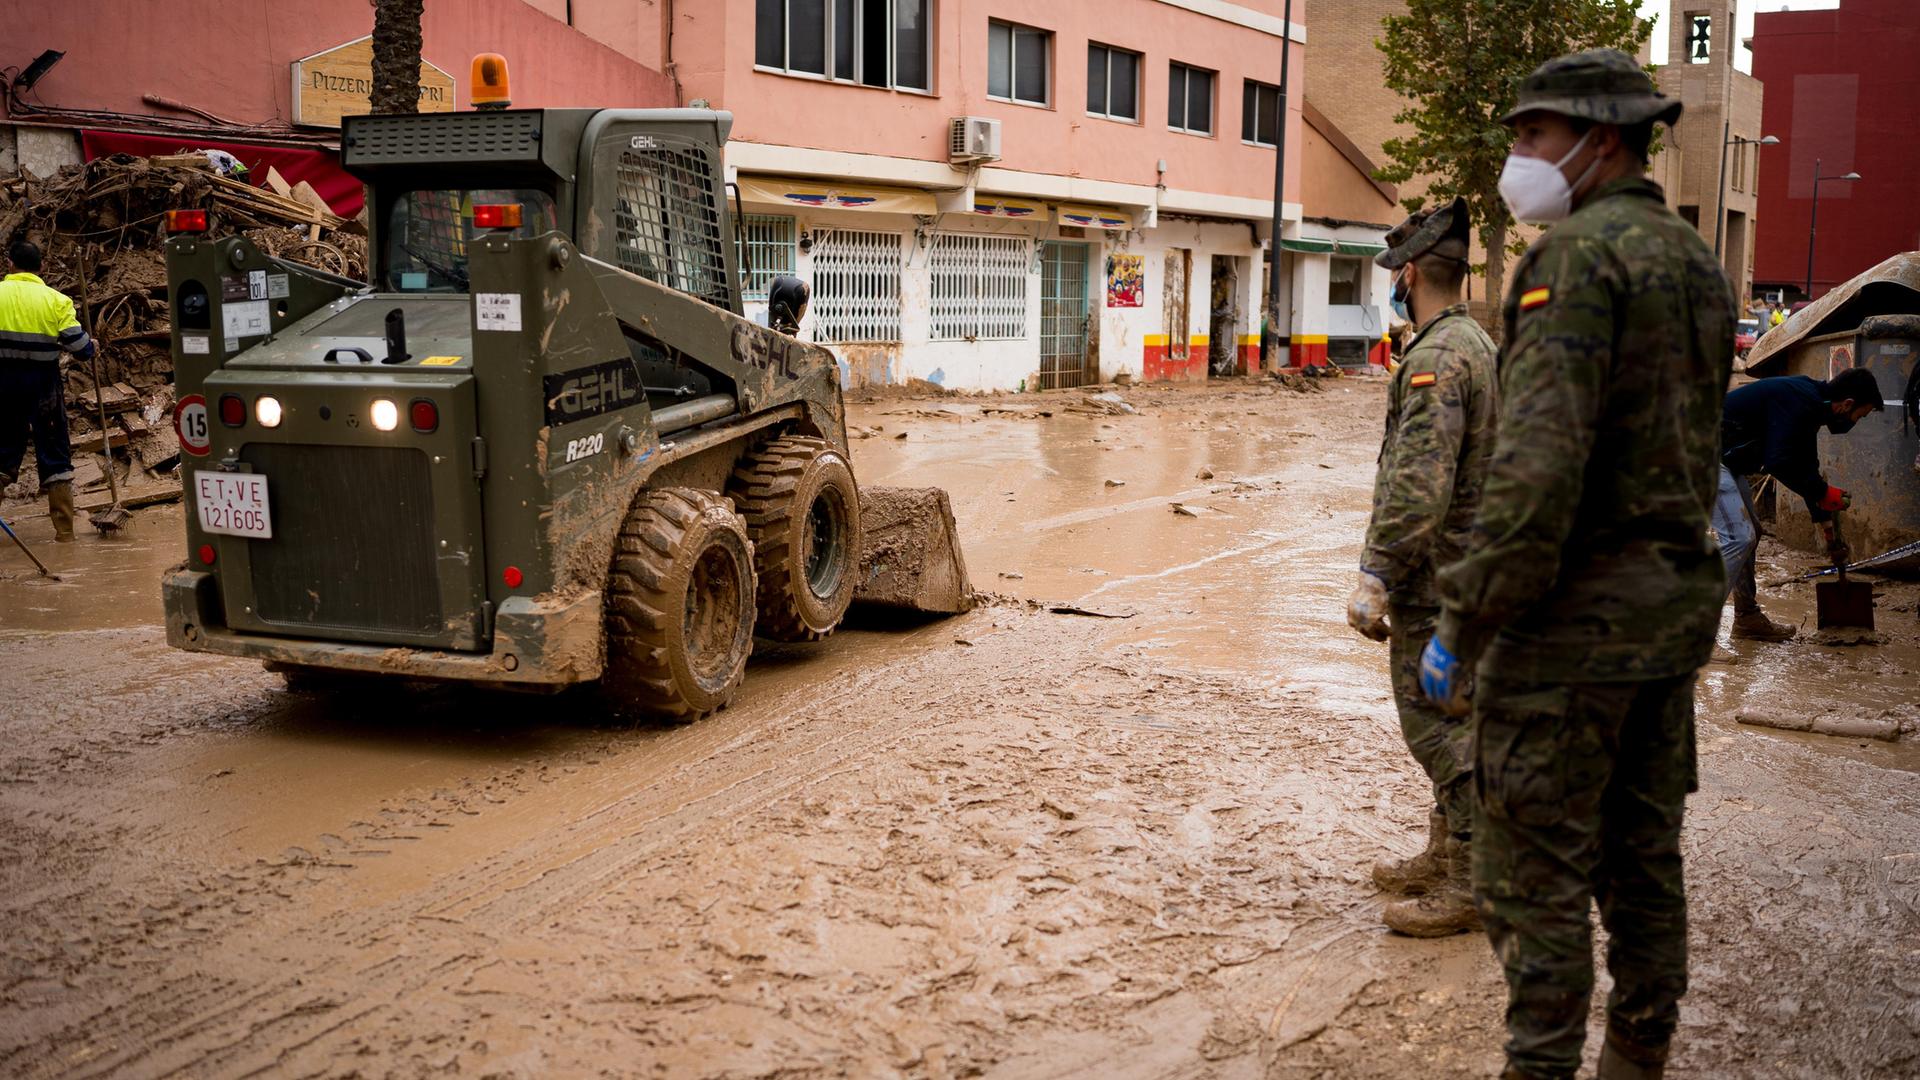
point(389, 959)
point(518, 888)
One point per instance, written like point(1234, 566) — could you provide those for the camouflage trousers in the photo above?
point(1580, 791)
point(1439, 742)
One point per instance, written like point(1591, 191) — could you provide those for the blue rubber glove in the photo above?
point(1443, 678)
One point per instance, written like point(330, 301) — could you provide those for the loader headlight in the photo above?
point(267, 411)
point(385, 414)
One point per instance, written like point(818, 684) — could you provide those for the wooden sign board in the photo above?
point(339, 82)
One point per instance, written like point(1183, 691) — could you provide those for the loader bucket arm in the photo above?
point(763, 367)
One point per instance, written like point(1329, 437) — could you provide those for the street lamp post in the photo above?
point(1813, 221)
point(1720, 215)
point(1275, 326)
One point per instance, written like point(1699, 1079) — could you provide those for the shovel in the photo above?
point(114, 516)
point(1842, 602)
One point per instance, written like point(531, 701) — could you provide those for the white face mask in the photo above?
point(1535, 189)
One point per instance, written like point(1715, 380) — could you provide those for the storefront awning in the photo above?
point(1006, 206)
point(1349, 247)
point(1315, 247)
point(794, 193)
point(1093, 217)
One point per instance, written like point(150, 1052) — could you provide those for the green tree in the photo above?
point(1459, 63)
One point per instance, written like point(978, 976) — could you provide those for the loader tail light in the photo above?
point(186, 221)
point(425, 416)
point(496, 215)
point(512, 576)
point(233, 411)
point(206, 554)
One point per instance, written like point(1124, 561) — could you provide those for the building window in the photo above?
point(979, 286)
point(770, 252)
point(882, 43)
point(856, 286)
point(1190, 100)
point(1260, 114)
point(1018, 63)
point(1346, 280)
point(1113, 83)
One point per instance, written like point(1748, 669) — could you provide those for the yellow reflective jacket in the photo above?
point(36, 322)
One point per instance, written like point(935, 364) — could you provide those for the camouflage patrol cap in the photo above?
point(1602, 85)
point(1438, 230)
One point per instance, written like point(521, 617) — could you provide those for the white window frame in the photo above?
point(1185, 72)
point(1013, 64)
point(867, 312)
point(828, 56)
point(977, 286)
point(1115, 52)
point(1362, 279)
point(1280, 123)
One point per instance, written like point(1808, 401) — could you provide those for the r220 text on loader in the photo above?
point(542, 448)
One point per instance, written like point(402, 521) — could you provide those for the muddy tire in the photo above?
point(680, 603)
point(803, 513)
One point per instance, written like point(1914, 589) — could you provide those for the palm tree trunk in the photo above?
point(396, 55)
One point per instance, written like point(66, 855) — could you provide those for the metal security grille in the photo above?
point(365, 557)
point(856, 286)
point(770, 251)
point(980, 286)
point(1063, 316)
point(666, 223)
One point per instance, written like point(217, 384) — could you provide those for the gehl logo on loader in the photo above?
point(586, 392)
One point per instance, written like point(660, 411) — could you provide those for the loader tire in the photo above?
point(803, 513)
point(679, 605)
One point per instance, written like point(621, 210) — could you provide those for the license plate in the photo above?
point(234, 504)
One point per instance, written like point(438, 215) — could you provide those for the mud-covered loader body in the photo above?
point(455, 447)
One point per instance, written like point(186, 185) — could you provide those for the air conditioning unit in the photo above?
point(973, 138)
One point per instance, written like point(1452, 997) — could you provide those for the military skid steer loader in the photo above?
point(542, 447)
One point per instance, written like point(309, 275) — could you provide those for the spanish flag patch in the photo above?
point(1424, 378)
point(1533, 298)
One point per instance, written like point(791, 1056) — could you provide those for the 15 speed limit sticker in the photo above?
point(190, 423)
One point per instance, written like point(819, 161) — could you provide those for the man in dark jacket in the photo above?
point(1772, 426)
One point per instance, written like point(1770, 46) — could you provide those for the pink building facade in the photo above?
point(1116, 223)
point(980, 193)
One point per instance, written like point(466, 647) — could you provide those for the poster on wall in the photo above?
point(1126, 276)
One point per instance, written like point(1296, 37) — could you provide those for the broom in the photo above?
point(115, 516)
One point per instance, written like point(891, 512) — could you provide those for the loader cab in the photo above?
point(638, 188)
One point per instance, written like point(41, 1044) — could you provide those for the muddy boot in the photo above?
point(1755, 626)
point(1422, 873)
point(1448, 909)
point(1623, 1059)
point(60, 509)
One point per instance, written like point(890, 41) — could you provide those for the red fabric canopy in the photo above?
point(318, 167)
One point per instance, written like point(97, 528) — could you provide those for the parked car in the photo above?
point(1745, 333)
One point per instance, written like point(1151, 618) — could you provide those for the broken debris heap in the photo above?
point(104, 219)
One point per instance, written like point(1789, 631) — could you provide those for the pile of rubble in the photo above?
point(100, 228)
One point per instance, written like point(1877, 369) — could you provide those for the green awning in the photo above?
point(1349, 247)
point(1317, 247)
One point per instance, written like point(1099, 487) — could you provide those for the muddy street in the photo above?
point(1018, 843)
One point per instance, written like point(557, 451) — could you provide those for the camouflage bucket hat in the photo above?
point(1602, 85)
point(1439, 230)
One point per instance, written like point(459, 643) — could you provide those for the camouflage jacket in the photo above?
point(1590, 560)
point(1440, 414)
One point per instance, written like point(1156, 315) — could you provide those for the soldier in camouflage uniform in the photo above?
point(1590, 593)
point(1440, 411)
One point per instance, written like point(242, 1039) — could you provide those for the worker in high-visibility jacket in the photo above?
point(36, 326)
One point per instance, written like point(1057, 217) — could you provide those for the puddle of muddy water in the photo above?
point(106, 581)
